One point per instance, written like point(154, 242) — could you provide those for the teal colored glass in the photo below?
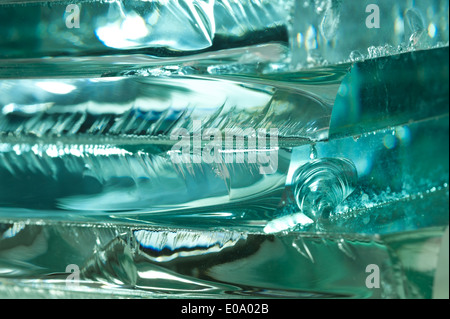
point(353, 175)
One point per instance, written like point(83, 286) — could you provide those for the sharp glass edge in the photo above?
point(397, 116)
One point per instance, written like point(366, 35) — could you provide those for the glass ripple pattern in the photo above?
point(357, 175)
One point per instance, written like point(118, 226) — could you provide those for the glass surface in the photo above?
point(125, 261)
